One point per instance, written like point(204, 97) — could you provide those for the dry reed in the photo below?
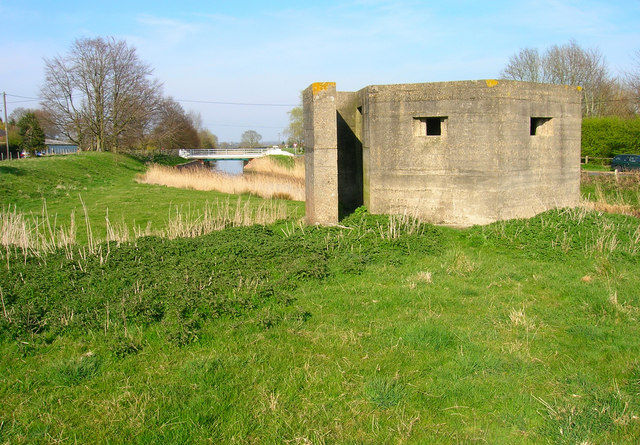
point(615, 202)
point(221, 214)
point(266, 165)
point(36, 235)
point(269, 181)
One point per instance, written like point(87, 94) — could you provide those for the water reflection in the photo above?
point(230, 167)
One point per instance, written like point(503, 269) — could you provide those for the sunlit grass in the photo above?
point(93, 197)
point(383, 330)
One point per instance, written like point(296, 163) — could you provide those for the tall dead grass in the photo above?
point(268, 180)
point(34, 234)
point(221, 214)
point(614, 194)
point(24, 235)
point(267, 165)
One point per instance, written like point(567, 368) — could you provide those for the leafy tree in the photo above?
point(251, 138)
point(207, 139)
point(32, 136)
point(100, 94)
point(605, 137)
point(295, 131)
point(45, 120)
point(14, 139)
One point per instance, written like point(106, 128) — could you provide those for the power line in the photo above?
point(22, 101)
point(27, 99)
point(244, 126)
point(235, 103)
point(22, 97)
point(214, 102)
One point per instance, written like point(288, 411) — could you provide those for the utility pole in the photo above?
point(6, 124)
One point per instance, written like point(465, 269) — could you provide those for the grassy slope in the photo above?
point(105, 183)
point(518, 332)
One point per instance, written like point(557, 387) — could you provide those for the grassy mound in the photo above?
point(25, 182)
point(384, 331)
point(96, 196)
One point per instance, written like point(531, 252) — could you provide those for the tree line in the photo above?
point(610, 104)
point(570, 64)
point(102, 97)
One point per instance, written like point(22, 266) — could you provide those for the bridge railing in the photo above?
point(215, 152)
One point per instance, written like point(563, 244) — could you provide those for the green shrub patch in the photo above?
point(182, 283)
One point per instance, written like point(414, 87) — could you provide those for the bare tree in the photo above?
point(196, 119)
point(525, 66)
point(632, 83)
point(47, 123)
point(44, 118)
point(172, 127)
point(567, 64)
point(251, 138)
point(571, 65)
point(17, 113)
point(100, 94)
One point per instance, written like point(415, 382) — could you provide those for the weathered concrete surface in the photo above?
point(321, 156)
point(458, 153)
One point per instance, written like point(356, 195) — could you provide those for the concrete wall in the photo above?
point(460, 153)
point(321, 153)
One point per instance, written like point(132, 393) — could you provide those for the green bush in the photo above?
point(605, 137)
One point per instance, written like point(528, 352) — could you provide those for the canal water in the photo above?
point(230, 167)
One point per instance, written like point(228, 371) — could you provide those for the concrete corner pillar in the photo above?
point(321, 153)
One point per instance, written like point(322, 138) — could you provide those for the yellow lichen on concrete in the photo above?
point(491, 83)
point(317, 87)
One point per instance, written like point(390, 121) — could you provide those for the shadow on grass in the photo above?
point(11, 171)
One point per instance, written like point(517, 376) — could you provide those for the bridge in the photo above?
point(230, 154)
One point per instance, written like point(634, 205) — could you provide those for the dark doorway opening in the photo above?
point(349, 169)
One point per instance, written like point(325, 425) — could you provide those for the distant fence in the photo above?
point(13, 154)
point(599, 161)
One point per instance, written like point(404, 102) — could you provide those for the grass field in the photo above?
point(103, 187)
point(382, 331)
point(595, 167)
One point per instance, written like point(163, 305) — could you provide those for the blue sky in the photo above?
point(267, 52)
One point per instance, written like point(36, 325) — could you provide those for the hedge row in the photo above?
point(605, 137)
